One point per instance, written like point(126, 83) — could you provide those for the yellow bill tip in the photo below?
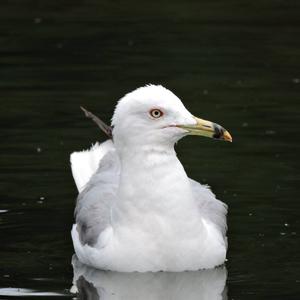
point(227, 136)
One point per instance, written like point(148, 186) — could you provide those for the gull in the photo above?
point(137, 210)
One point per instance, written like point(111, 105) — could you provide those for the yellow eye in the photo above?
point(156, 113)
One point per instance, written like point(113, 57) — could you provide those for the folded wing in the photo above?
point(96, 173)
point(212, 209)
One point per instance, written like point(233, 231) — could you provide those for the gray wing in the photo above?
point(211, 208)
point(92, 212)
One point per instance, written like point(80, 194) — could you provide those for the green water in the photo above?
point(233, 62)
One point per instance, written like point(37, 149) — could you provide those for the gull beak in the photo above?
point(207, 128)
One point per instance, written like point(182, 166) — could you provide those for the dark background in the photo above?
point(233, 62)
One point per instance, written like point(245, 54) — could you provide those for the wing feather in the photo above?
point(92, 212)
point(85, 163)
point(211, 208)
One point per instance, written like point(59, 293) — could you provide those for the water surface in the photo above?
point(232, 62)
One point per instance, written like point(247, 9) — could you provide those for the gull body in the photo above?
point(137, 209)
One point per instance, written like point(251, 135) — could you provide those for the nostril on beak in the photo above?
point(206, 126)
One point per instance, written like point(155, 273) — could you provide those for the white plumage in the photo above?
point(137, 209)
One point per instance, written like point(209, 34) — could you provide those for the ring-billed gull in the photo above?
point(137, 209)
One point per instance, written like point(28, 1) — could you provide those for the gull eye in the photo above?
point(156, 113)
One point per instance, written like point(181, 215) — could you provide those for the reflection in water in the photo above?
point(19, 292)
point(95, 284)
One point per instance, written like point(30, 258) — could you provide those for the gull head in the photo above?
point(153, 116)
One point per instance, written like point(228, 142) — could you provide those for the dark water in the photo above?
point(233, 62)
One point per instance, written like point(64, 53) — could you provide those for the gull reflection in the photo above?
point(94, 284)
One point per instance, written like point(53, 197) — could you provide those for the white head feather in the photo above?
point(134, 125)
